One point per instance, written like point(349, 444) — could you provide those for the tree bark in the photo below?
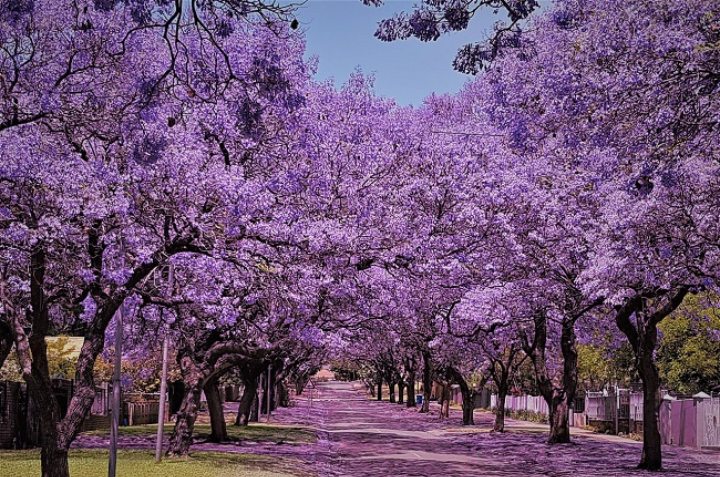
point(558, 397)
point(468, 408)
point(427, 382)
point(468, 395)
point(401, 391)
point(218, 432)
point(391, 387)
point(6, 341)
point(246, 401)
point(54, 461)
point(559, 407)
point(559, 419)
point(181, 438)
point(445, 396)
point(268, 381)
point(468, 404)
point(651, 458)
point(32, 356)
point(379, 387)
point(255, 409)
point(371, 386)
point(299, 387)
point(411, 391)
point(499, 424)
point(282, 394)
point(642, 334)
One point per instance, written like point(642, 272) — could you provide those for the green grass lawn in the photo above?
point(262, 433)
point(93, 463)
point(254, 432)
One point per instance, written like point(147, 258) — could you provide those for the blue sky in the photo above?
point(340, 34)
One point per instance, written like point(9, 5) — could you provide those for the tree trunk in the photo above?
point(255, 409)
point(499, 425)
point(560, 405)
point(54, 461)
point(401, 391)
point(468, 408)
point(56, 432)
point(6, 342)
point(652, 451)
point(246, 402)
point(299, 386)
point(559, 419)
point(371, 386)
point(468, 395)
point(391, 386)
point(181, 438)
point(268, 405)
point(427, 382)
point(282, 394)
point(445, 391)
point(558, 397)
point(411, 391)
point(59, 432)
point(379, 388)
point(639, 324)
point(218, 427)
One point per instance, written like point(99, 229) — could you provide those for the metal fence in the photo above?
point(101, 403)
point(709, 422)
point(600, 406)
point(691, 422)
point(142, 412)
point(523, 402)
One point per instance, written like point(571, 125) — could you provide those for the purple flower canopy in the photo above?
point(568, 194)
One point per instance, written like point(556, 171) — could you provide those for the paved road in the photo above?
point(365, 438)
point(361, 437)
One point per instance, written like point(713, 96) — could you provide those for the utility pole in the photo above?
point(617, 409)
point(163, 377)
point(117, 391)
point(161, 406)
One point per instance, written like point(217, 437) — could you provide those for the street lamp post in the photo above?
point(117, 391)
point(163, 378)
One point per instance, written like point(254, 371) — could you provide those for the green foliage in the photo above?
point(524, 379)
point(61, 358)
point(688, 357)
point(143, 374)
point(10, 370)
point(599, 365)
point(530, 416)
point(61, 354)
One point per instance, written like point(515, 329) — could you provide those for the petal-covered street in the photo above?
point(359, 436)
point(362, 437)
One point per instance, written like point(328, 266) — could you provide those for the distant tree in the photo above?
point(689, 351)
point(600, 365)
point(60, 356)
